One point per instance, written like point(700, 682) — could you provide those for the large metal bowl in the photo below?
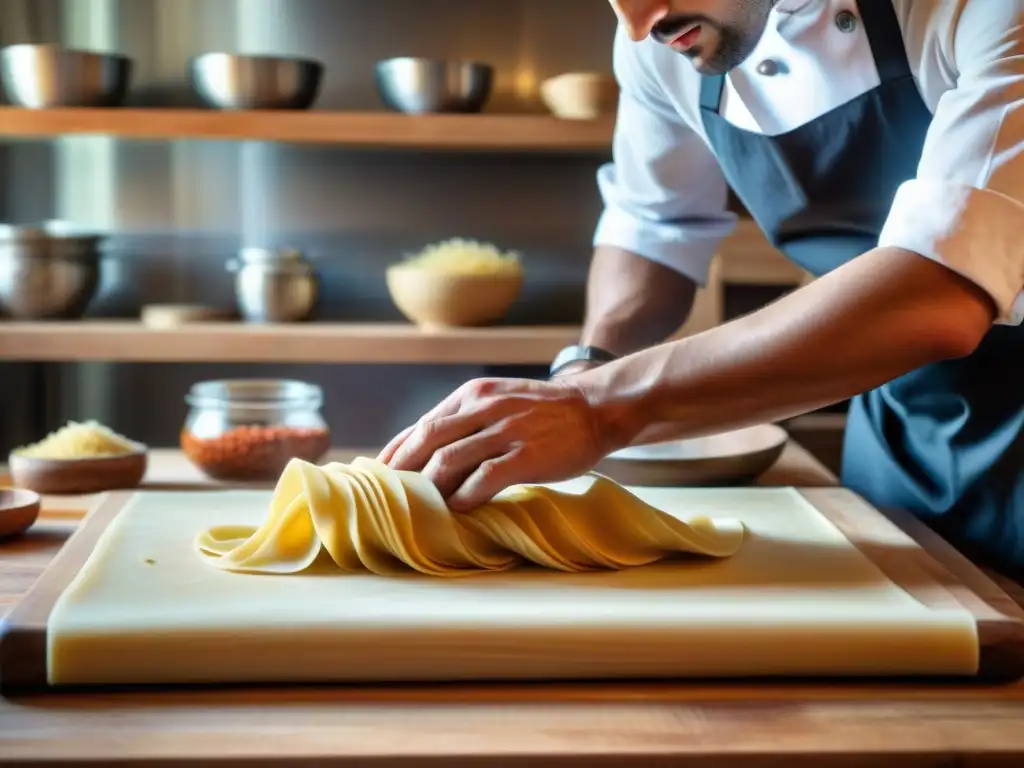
point(48, 272)
point(420, 86)
point(233, 81)
point(43, 76)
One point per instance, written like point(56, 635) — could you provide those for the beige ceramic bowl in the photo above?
point(580, 95)
point(440, 299)
point(75, 476)
point(726, 459)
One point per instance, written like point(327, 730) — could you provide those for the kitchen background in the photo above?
point(177, 211)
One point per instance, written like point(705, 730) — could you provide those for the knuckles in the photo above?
point(445, 461)
point(482, 388)
point(425, 430)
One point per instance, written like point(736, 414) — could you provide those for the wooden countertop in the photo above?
point(635, 724)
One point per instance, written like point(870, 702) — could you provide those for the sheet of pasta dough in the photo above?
point(796, 599)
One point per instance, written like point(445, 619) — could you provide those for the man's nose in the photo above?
point(640, 16)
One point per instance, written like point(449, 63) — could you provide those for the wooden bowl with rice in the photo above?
point(79, 458)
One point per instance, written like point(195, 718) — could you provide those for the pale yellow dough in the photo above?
point(369, 517)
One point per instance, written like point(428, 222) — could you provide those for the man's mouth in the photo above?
point(687, 38)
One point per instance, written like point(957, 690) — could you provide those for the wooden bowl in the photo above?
point(580, 95)
point(435, 299)
point(79, 476)
point(18, 511)
point(176, 315)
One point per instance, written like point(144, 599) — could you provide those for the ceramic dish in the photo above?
point(437, 299)
point(580, 95)
point(729, 458)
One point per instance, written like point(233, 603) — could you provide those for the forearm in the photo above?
point(868, 322)
point(633, 302)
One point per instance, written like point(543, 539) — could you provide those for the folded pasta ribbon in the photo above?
point(371, 518)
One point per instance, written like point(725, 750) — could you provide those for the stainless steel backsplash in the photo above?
point(176, 211)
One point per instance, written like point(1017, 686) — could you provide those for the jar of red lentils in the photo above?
point(249, 429)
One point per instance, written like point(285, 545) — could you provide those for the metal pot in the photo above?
point(47, 272)
point(274, 286)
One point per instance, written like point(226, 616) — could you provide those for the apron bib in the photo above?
point(946, 441)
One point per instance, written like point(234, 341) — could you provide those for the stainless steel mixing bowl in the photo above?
point(418, 86)
point(42, 76)
point(232, 81)
point(47, 272)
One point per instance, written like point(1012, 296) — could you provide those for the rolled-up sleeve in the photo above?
point(665, 197)
point(965, 207)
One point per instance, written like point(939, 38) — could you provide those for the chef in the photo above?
point(879, 144)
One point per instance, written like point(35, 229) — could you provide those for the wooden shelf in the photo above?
point(482, 132)
point(236, 342)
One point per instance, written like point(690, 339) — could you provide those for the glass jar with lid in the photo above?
point(249, 429)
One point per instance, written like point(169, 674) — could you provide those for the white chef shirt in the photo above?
point(665, 196)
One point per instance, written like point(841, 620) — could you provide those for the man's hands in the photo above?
point(493, 433)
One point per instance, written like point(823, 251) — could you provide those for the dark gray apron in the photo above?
point(945, 441)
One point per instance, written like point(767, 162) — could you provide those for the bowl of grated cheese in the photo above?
point(85, 457)
point(456, 282)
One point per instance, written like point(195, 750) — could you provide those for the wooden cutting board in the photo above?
point(905, 550)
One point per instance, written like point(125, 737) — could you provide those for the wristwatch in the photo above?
point(577, 353)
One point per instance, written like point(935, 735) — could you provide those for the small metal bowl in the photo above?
point(420, 86)
point(47, 272)
point(232, 81)
point(43, 76)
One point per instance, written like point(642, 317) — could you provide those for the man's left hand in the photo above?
point(494, 433)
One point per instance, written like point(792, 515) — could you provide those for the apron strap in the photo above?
point(711, 87)
point(885, 38)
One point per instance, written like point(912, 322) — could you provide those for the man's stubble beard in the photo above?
point(734, 47)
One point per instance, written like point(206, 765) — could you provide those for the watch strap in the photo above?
point(579, 353)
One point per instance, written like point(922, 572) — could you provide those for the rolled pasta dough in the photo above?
point(369, 517)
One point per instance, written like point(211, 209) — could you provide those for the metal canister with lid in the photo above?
point(274, 286)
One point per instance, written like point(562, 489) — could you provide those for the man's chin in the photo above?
point(708, 69)
point(713, 64)
point(706, 66)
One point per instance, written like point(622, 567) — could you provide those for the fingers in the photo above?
point(450, 466)
point(489, 479)
point(447, 407)
point(433, 435)
point(388, 452)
